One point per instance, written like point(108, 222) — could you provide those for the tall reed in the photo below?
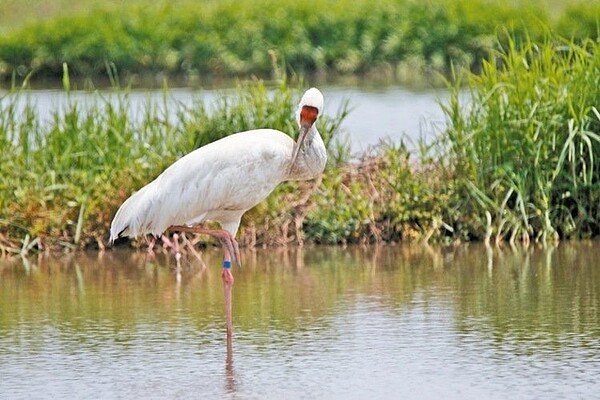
point(525, 142)
point(519, 160)
point(62, 180)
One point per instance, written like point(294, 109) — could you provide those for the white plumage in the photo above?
point(224, 179)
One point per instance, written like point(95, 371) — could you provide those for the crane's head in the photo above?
point(311, 106)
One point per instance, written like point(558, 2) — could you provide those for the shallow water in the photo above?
point(391, 113)
point(378, 322)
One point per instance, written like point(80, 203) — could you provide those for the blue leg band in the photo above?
point(226, 264)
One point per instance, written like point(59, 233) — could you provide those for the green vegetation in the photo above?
point(201, 40)
point(537, 293)
point(527, 149)
point(61, 181)
point(519, 161)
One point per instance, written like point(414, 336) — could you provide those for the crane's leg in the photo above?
point(226, 238)
point(231, 250)
point(227, 285)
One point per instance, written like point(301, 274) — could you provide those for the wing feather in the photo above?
point(219, 181)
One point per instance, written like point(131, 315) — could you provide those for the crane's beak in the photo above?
point(298, 145)
point(308, 116)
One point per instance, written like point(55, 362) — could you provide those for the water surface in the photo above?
point(350, 323)
point(391, 113)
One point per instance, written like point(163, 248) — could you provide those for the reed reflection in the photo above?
point(504, 293)
point(546, 297)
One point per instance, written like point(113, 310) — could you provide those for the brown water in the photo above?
point(381, 322)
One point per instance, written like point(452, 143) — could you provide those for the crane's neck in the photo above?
point(311, 159)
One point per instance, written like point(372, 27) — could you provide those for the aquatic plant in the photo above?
point(525, 142)
point(390, 195)
point(519, 161)
point(62, 180)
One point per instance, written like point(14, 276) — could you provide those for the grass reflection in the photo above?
point(544, 298)
point(538, 295)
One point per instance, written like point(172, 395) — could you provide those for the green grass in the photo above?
point(519, 161)
point(15, 13)
point(61, 181)
point(200, 40)
point(526, 151)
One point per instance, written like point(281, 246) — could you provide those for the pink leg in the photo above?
point(151, 243)
point(226, 238)
point(227, 285)
point(231, 250)
point(167, 244)
point(175, 245)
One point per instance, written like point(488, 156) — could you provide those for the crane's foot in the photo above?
point(227, 239)
point(232, 247)
point(151, 243)
point(170, 244)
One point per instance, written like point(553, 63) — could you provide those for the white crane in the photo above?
point(221, 181)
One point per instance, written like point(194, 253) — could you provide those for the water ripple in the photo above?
point(410, 329)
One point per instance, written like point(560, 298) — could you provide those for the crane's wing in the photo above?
point(219, 181)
